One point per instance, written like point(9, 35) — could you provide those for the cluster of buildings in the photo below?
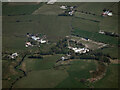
point(35, 38)
point(107, 13)
point(69, 9)
point(13, 56)
point(79, 50)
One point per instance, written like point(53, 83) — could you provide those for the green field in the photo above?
point(111, 79)
point(14, 35)
point(42, 72)
point(78, 70)
point(96, 36)
point(41, 64)
point(22, 18)
point(16, 9)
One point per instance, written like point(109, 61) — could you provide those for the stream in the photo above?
point(24, 73)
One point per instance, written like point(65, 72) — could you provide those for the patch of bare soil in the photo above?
point(23, 67)
point(98, 74)
point(116, 61)
point(12, 70)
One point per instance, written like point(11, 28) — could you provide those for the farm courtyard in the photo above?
point(60, 45)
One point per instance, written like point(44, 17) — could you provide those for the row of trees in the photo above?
point(92, 55)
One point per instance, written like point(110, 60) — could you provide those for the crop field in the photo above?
point(43, 71)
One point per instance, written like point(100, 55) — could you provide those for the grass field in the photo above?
point(111, 79)
point(43, 74)
point(20, 19)
point(14, 35)
point(42, 79)
point(112, 51)
point(41, 64)
point(86, 25)
point(22, 9)
point(96, 36)
point(78, 70)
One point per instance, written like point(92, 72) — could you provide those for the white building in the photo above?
point(107, 13)
point(101, 32)
point(63, 7)
point(79, 50)
point(35, 38)
point(71, 13)
point(51, 1)
point(110, 14)
point(28, 44)
point(14, 55)
point(42, 41)
point(64, 58)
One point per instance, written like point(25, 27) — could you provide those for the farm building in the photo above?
point(79, 50)
point(71, 13)
point(63, 7)
point(13, 56)
point(42, 41)
point(35, 38)
point(64, 58)
point(28, 44)
point(107, 13)
point(101, 32)
point(51, 1)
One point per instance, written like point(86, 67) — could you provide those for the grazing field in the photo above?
point(47, 62)
point(14, 35)
point(14, 9)
point(42, 74)
point(86, 25)
point(78, 70)
point(110, 24)
point(42, 79)
point(112, 51)
point(48, 10)
point(96, 36)
point(41, 70)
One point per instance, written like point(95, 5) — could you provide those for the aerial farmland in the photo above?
point(60, 45)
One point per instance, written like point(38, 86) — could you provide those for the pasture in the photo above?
point(111, 79)
point(14, 35)
point(42, 75)
point(13, 9)
point(96, 36)
point(78, 70)
point(20, 19)
point(47, 62)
